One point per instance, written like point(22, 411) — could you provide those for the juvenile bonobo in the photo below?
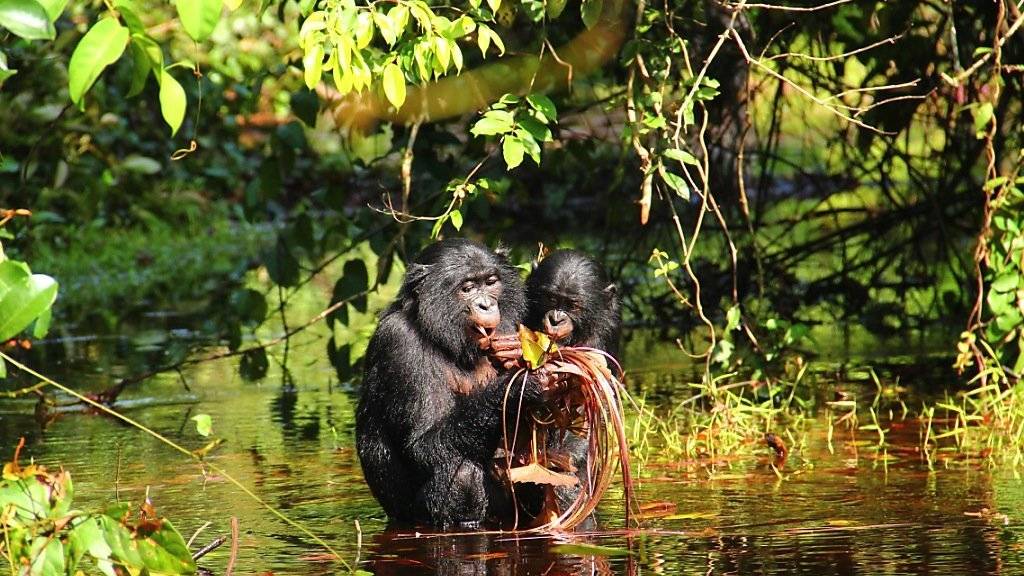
point(570, 300)
point(429, 417)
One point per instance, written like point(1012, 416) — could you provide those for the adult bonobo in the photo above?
point(430, 415)
point(572, 302)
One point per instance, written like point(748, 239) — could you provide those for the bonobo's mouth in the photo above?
point(486, 331)
point(559, 334)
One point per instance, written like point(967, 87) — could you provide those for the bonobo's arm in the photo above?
point(429, 422)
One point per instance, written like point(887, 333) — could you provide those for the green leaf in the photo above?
point(5, 72)
point(544, 105)
point(537, 130)
point(204, 424)
point(172, 101)
point(732, 318)
point(54, 8)
point(386, 27)
point(199, 17)
point(140, 69)
point(3, 369)
point(591, 12)
point(529, 144)
point(456, 217)
point(982, 116)
point(494, 5)
point(554, 8)
point(313, 65)
point(1006, 282)
point(23, 302)
point(675, 182)
point(493, 122)
point(130, 17)
point(27, 18)
point(42, 324)
point(101, 46)
point(681, 156)
point(394, 84)
point(512, 151)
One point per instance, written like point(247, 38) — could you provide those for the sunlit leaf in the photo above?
point(204, 424)
point(456, 217)
point(681, 156)
point(394, 84)
point(199, 17)
point(172, 101)
point(512, 150)
point(23, 302)
point(54, 8)
point(492, 123)
point(544, 105)
point(26, 18)
point(313, 65)
point(101, 46)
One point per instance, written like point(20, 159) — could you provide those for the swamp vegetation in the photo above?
point(812, 211)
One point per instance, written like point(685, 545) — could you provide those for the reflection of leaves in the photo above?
point(354, 280)
point(589, 550)
point(254, 364)
point(281, 265)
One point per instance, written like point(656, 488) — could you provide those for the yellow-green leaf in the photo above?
point(199, 17)
point(394, 84)
point(101, 46)
point(172, 101)
point(313, 65)
point(26, 18)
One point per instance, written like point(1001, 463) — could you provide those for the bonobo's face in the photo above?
point(480, 295)
point(567, 296)
point(561, 306)
point(458, 291)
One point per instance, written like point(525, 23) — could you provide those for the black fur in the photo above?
point(571, 282)
point(429, 418)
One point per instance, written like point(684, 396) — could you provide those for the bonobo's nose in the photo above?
point(485, 313)
point(556, 317)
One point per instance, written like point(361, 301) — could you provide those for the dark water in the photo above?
point(289, 438)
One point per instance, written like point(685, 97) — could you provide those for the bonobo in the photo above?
point(430, 415)
point(572, 302)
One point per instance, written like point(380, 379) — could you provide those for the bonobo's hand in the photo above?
point(504, 349)
point(543, 385)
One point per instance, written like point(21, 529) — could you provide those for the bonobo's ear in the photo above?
point(610, 291)
point(414, 276)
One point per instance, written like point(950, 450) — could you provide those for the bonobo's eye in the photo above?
point(466, 287)
point(492, 279)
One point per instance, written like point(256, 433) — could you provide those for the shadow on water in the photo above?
point(848, 509)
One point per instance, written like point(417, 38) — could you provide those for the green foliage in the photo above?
point(101, 46)
point(46, 536)
point(522, 125)
point(26, 18)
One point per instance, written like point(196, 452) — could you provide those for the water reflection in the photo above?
point(398, 552)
